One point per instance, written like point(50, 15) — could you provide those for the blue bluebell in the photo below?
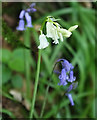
point(66, 76)
point(66, 72)
point(25, 13)
point(28, 19)
point(70, 99)
point(22, 13)
point(71, 78)
point(63, 77)
point(21, 25)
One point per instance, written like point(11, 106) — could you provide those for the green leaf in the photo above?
point(17, 81)
point(6, 74)
point(16, 64)
point(6, 54)
point(17, 60)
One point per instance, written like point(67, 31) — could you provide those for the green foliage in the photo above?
point(6, 74)
point(17, 81)
point(6, 54)
point(11, 37)
point(16, 61)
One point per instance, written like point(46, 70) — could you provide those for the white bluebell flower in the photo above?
point(43, 42)
point(21, 26)
point(55, 32)
point(52, 32)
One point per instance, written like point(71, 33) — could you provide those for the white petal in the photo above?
point(43, 42)
point(55, 35)
point(60, 36)
point(65, 32)
point(72, 28)
point(49, 27)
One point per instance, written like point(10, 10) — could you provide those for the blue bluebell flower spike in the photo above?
point(65, 76)
point(25, 13)
point(21, 25)
point(66, 72)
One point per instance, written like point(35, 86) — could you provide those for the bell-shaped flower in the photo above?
point(63, 77)
point(72, 78)
point(21, 25)
point(49, 26)
point(22, 13)
point(28, 19)
point(55, 36)
point(52, 32)
point(72, 28)
point(43, 42)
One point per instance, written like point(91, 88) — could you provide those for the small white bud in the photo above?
point(72, 28)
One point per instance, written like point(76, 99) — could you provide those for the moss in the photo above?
point(10, 36)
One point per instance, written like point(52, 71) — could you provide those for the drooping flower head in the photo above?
point(66, 76)
point(25, 14)
point(66, 72)
point(55, 31)
point(60, 32)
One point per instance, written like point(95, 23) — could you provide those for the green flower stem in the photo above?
point(27, 62)
point(36, 84)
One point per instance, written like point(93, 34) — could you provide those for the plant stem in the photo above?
point(36, 84)
point(27, 62)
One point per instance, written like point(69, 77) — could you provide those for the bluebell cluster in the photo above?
point(66, 76)
point(25, 13)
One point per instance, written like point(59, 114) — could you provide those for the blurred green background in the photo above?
point(19, 61)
